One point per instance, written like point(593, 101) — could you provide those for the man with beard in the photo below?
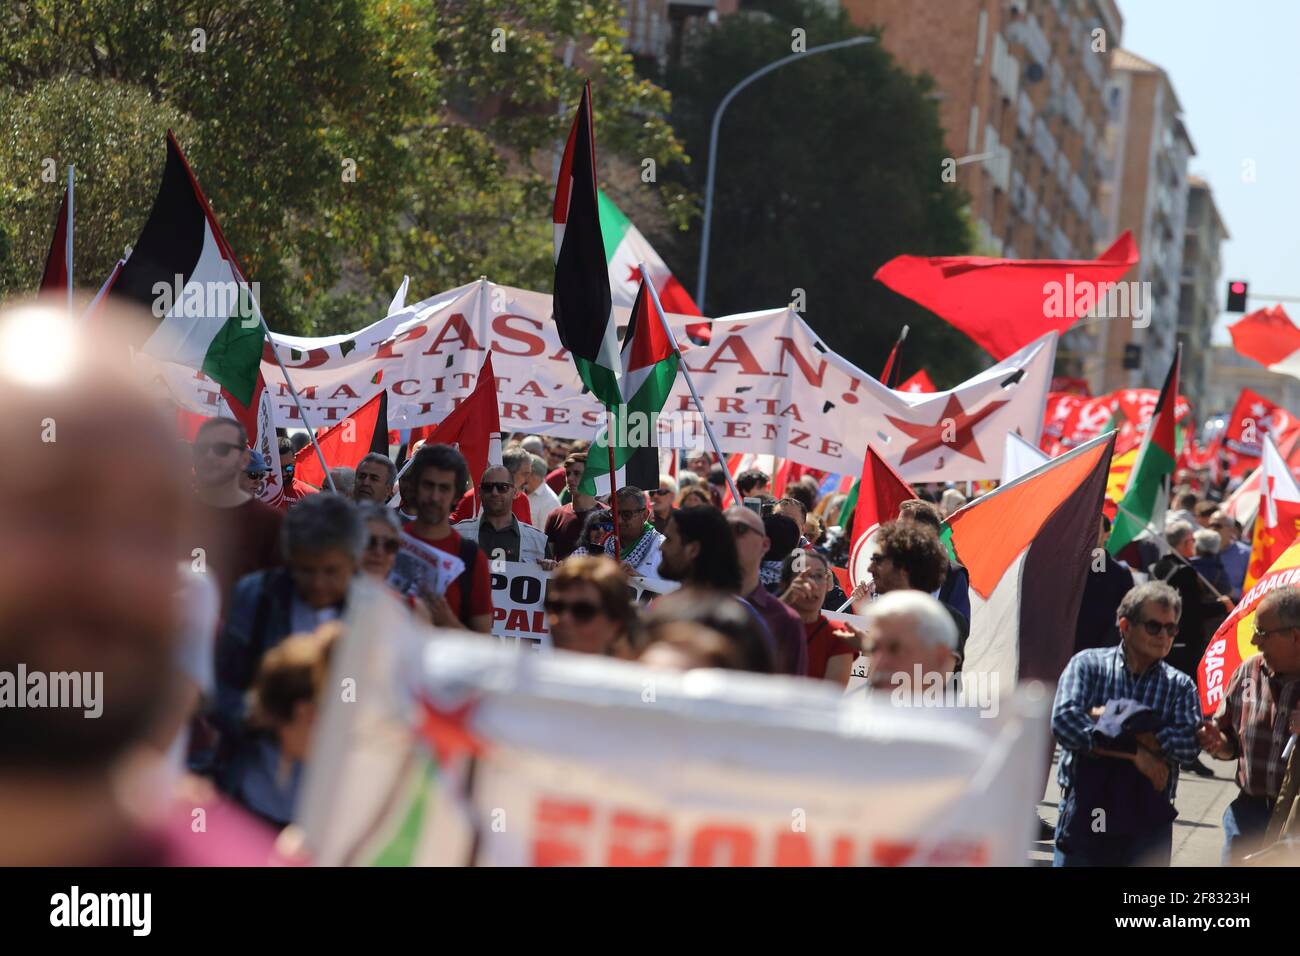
point(235, 534)
point(374, 479)
point(88, 587)
point(440, 477)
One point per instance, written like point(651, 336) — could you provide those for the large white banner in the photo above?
point(564, 759)
point(768, 383)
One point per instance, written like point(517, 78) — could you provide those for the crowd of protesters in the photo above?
point(214, 615)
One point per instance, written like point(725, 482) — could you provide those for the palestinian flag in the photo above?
point(582, 305)
point(1279, 514)
point(873, 500)
point(1232, 642)
point(1148, 486)
point(55, 276)
point(649, 369)
point(209, 318)
point(625, 250)
point(1027, 547)
point(346, 443)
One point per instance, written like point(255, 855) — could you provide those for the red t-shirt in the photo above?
point(480, 598)
point(564, 529)
point(823, 645)
point(236, 541)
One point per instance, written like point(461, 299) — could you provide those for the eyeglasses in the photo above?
point(660, 492)
point(629, 515)
point(876, 559)
point(580, 611)
point(499, 487)
point(256, 475)
point(1258, 636)
point(1154, 628)
point(387, 545)
point(221, 449)
point(740, 530)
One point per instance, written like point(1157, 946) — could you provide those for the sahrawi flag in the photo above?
point(1279, 514)
point(625, 250)
point(1148, 486)
point(581, 303)
point(649, 369)
point(1028, 546)
point(182, 264)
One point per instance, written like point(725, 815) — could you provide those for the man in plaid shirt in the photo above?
point(1259, 713)
point(1134, 670)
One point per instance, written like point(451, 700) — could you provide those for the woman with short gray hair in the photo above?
point(383, 539)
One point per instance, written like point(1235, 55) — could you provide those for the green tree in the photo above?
point(340, 142)
point(826, 169)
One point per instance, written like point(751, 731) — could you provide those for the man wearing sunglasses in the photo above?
point(500, 533)
point(235, 533)
point(1133, 672)
point(1259, 714)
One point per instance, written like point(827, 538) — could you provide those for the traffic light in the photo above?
point(1236, 295)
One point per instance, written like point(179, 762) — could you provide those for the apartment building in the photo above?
point(1200, 293)
point(1150, 148)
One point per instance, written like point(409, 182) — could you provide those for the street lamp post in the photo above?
point(702, 282)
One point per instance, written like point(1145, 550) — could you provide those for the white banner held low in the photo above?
point(585, 760)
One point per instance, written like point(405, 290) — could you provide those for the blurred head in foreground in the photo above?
point(691, 629)
point(92, 513)
point(588, 607)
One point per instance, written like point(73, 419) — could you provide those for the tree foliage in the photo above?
point(449, 112)
point(826, 169)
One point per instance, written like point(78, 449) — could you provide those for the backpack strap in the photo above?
point(468, 553)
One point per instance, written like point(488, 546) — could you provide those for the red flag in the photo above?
point(471, 425)
point(55, 277)
point(1003, 304)
point(346, 443)
point(1269, 337)
point(1253, 417)
point(880, 492)
point(920, 382)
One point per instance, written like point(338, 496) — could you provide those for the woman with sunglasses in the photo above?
point(383, 539)
point(589, 608)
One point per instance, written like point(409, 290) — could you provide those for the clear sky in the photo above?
point(1236, 69)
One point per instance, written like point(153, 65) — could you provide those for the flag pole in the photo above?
point(686, 373)
point(293, 392)
point(613, 481)
point(892, 361)
point(67, 252)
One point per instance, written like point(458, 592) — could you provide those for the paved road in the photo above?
point(1198, 831)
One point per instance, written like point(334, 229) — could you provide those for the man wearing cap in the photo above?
point(253, 478)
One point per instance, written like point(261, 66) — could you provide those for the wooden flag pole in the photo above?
point(686, 373)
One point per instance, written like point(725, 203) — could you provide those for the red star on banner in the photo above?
point(446, 731)
point(633, 275)
point(954, 420)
